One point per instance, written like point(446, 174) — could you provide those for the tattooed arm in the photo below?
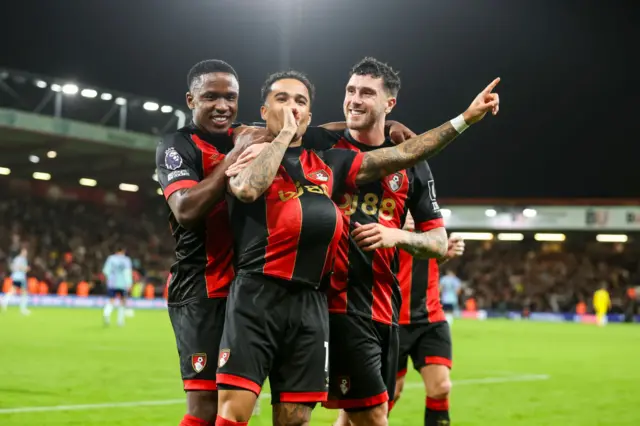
point(383, 162)
point(424, 245)
point(251, 182)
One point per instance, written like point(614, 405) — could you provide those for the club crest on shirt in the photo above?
point(215, 158)
point(172, 159)
point(345, 384)
point(395, 181)
point(224, 357)
point(320, 175)
point(198, 362)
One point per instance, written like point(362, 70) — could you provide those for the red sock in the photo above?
point(224, 422)
point(189, 420)
point(437, 412)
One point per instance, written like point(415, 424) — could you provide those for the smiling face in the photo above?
point(287, 92)
point(213, 98)
point(366, 102)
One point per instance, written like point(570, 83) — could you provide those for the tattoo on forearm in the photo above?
point(286, 414)
point(383, 162)
point(260, 172)
point(426, 245)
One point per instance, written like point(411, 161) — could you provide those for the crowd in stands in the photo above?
point(68, 242)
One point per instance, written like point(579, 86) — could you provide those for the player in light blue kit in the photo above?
point(19, 268)
point(119, 274)
point(449, 290)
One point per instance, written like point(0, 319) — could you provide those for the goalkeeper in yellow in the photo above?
point(601, 304)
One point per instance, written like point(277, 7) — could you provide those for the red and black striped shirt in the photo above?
point(204, 256)
point(292, 231)
point(365, 283)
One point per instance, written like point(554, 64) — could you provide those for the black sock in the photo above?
point(436, 412)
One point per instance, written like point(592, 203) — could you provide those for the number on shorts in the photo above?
point(326, 356)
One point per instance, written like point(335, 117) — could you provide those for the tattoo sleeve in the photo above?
point(253, 181)
point(426, 245)
point(285, 414)
point(383, 162)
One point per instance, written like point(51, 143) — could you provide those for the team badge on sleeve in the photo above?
point(395, 181)
point(172, 159)
point(198, 362)
point(224, 357)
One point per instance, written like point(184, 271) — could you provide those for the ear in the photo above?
point(263, 112)
point(309, 121)
point(391, 103)
point(190, 102)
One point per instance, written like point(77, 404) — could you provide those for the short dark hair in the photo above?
point(207, 67)
point(376, 69)
point(292, 74)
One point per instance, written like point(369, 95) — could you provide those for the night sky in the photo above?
point(569, 119)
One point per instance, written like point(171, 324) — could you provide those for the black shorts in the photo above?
point(448, 307)
point(425, 344)
point(198, 326)
point(20, 285)
point(276, 329)
point(113, 292)
point(363, 355)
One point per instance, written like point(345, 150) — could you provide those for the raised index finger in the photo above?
point(491, 85)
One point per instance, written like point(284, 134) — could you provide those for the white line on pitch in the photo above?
point(485, 380)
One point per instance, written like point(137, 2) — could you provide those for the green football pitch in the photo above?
point(62, 367)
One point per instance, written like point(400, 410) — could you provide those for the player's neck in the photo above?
point(373, 136)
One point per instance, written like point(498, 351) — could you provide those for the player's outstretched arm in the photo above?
point(258, 175)
point(383, 162)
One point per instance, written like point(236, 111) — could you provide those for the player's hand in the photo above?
point(246, 136)
point(409, 223)
point(398, 132)
point(455, 247)
point(373, 236)
point(290, 119)
point(485, 101)
point(247, 156)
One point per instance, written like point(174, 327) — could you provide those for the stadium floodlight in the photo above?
point(89, 93)
point(121, 101)
point(159, 191)
point(88, 182)
point(69, 89)
point(5, 171)
point(155, 176)
point(529, 213)
point(56, 87)
point(34, 159)
point(128, 187)
point(150, 106)
point(490, 213)
point(478, 236)
point(445, 212)
point(41, 176)
point(166, 109)
point(52, 154)
point(41, 84)
point(612, 238)
point(106, 96)
point(510, 236)
point(549, 237)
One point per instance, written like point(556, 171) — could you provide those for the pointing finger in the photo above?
point(491, 85)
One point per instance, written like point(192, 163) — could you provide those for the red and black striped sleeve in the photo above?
point(176, 163)
point(422, 201)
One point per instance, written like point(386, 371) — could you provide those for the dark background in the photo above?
point(568, 124)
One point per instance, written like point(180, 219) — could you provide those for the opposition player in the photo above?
point(118, 272)
point(364, 297)
point(450, 290)
point(19, 268)
point(286, 232)
point(601, 304)
point(190, 165)
point(425, 336)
